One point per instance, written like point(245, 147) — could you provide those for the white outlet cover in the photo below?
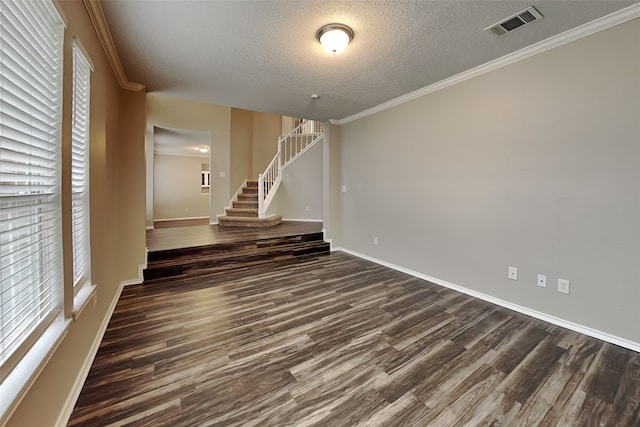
point(542, 280)
point(563, 286)
point(344, 188)
point(375, 240)
point(512, 273)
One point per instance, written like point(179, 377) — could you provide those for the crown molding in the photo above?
point(102, 30)
point(584, 30)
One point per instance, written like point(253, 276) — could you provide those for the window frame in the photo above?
point(80, 167)
point(51, 330)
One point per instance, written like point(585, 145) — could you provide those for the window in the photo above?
point(31, 40)
point(80, 169)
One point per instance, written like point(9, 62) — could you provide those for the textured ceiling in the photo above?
point(263, 55)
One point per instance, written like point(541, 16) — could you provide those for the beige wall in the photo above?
point(117, 217)
point(266, 131)
point(177, 187)
point(241, 149)
point(254, 142)
point(534, 165)
point(168, 112)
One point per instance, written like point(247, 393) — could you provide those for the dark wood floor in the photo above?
point(183, 237)
point(338, 341)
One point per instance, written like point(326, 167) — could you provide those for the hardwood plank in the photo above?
point(337, 340)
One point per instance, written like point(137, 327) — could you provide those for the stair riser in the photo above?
point(245, 205)
point(248, 197)
point(240, 260)
point(242, 214)
point(184, 255)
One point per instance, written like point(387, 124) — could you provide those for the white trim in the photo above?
point(82, 298)
point(584, 30)
point(73, 395)
point(18, 383)
point(140, 278)
point(180, 219)
point(604, 336)
point(150, 227)
point(94, 9)
point(330, 241)
point(302, 220)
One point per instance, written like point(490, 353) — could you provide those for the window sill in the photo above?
point(15, 386)
point(81, 300)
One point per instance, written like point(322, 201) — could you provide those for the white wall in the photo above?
point(534, 165)
point(301, 188)
point(177, 187)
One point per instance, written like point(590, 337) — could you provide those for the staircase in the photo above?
point(249, 205)
point(211, 259)
point(244, 210)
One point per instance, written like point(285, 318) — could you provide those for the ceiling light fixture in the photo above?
point(334, 37)
point(203, 149)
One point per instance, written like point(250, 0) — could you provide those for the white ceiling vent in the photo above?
point(518, 20)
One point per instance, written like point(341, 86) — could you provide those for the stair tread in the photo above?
point(241, 221)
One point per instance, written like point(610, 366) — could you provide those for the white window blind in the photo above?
point(31, 37)
point(80, 168)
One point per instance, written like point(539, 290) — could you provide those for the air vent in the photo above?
point(513, 22)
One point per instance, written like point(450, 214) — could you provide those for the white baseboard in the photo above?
point(302, 219)
point(604, 336)
point(326, 239)
point(180, 219)
point(72, 398)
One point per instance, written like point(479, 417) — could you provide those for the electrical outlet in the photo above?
point(306, 208)
point(563, 286)
point(375, 240)
point(542, 280)
point(344, 188)
point(513, 273)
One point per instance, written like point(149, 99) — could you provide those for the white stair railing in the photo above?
point(290, 147)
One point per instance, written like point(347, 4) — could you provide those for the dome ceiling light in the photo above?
point(334, 37)
point(203, 149)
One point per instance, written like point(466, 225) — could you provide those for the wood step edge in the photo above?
point(234, 254)
point(227, 246)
